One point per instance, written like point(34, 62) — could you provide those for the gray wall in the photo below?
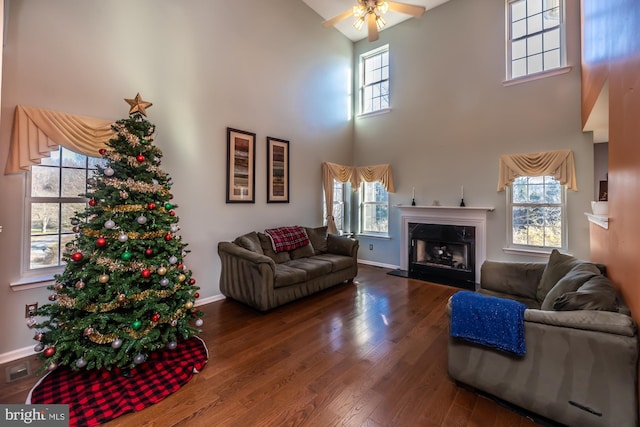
point(452, 118)
point(265, 67)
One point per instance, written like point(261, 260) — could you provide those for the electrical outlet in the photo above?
point(30, 309)
point(370, 246)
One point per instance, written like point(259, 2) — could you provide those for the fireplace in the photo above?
point(463, 259)
point(442, 253)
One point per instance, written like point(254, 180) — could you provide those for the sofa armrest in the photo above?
point(250, 256)
point(512, 278)
point(342, 245)
point(589, 320)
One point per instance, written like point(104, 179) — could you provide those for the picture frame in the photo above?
point(241, 166)
point(277, 170)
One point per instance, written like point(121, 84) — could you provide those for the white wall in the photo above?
point(265, 67)
point(452, 118)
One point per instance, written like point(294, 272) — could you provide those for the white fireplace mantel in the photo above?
point(447, 215)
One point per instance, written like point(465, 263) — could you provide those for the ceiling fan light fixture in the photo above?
point(359, 23)
point(380, 23)
point(382, 7)
point(359, 11)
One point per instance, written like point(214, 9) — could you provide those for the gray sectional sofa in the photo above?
point(580, 366)
point(254, 274)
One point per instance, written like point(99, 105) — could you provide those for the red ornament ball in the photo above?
point(148, 252)
point(140, 158)
point(146, 273)
point(172, 213)
point(102, 151)
point(101, 242)
point(192, 281)
point(49, 351)
point(77, 256)
point(92, 202)
point(180, 266)
point(196, 295)
point(155, 317)
point(168, 237)
point(151, 206)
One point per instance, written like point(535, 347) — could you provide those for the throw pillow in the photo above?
point(303, 252)
point(597, 293)
point(267, 249)
point(318, 238)
point(570, 283)
point(558, 265)
point(250, 241)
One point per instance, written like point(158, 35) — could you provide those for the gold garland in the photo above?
point(99, 338)
point(131, 234)
point(130, 208)
point(131, 184)
point(134, 163)
point(116, 266)
point(68, 302)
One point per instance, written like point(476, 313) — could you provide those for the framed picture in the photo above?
point(277, 170)
point(241, 166)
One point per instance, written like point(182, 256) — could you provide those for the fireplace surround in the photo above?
point(435, 252)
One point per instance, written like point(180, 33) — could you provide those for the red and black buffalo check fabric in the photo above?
point(287, 238)
point(97, 396)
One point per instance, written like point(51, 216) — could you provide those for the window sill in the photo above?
point(33, 282)
point(536, 76)
point(374, 113)
point(375, 236)
point(542, 253)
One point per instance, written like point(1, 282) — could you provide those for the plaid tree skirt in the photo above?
point(97, 396)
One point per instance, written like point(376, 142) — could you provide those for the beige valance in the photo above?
point(37, 132)
point(355, 175)
point(559, 164)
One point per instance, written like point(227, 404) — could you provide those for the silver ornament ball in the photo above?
point(117, 343)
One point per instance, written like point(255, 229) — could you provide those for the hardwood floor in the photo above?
point(370, 353)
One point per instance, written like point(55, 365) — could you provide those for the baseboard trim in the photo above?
point(378, 264)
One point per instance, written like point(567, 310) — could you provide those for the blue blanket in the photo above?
point(490, 321)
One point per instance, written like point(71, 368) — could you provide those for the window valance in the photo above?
point(559, 164)
point(37, 132)
point(355, 175)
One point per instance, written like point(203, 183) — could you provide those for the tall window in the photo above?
point(537, 213)
point(374, 208)
point(53, 197)
point(536, 39)
point(374, 80)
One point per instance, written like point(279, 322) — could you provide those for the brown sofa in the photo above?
point(254, 274)
point(580, 366)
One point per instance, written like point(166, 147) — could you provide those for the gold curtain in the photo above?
point(355, 175)
point(559, 164)
point(37, 132)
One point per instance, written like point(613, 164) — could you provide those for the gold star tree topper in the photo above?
point(138, 105)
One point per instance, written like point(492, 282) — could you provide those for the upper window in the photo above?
point(537, 213)
point(55, 189)
point(374, 208)
point(374, 80)
point(535, 36)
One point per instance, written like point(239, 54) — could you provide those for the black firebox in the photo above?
point(443, 254)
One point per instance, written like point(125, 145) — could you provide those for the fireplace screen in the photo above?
point(444, 255)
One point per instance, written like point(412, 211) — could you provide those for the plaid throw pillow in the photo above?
point(287, 238)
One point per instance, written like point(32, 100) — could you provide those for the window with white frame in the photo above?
point(53, 196)
point(535, 32)
point(339, 206)
point(374, 80)
point(374, 208)
point(537, 210)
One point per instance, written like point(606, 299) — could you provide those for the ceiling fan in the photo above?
point(371, 11)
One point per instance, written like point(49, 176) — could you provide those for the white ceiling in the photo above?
point(327, 9)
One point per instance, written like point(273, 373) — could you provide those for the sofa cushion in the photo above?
point(267, 249)
point(302, 252)
point(287, 238)
point(558, 265)
point(250, 241)
point(313, 266)
point(338, 262)
point(597, 293)
point(318, 238)
point(287, 276)
point(571, 281)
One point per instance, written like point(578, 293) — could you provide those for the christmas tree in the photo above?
point(125, 291)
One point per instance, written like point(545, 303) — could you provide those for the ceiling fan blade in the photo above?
point(372, 28)
point(333, 21)
point(407, 9)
